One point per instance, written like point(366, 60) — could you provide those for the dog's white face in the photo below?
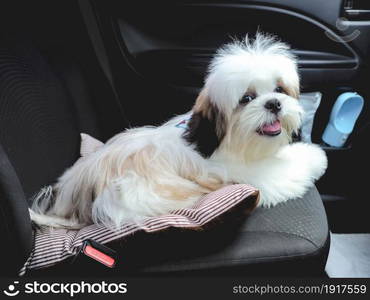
point(249, 105)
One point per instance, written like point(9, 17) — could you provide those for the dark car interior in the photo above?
point(100, 67)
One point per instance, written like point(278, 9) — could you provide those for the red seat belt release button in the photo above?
point(100, 253)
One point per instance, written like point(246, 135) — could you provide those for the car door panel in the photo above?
point(168, 45)
point(183, 56)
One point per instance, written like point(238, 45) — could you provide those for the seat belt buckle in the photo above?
point(99, 253)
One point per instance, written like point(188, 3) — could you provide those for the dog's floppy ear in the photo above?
point(293, 92)
point(206, 127)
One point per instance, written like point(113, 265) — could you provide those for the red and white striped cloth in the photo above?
point(52, 247)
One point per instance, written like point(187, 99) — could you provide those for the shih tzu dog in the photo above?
point(239, 131)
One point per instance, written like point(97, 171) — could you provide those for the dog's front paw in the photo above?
point(298, 167)
point(319, 161)
point(315, 158)
point(310, 159)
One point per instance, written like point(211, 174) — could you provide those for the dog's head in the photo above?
point(249, 104)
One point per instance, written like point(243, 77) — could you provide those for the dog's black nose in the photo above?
point(273, 105)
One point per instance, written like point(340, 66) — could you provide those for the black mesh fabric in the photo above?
point(304, 218)
point(40, 127)
point(45, 104)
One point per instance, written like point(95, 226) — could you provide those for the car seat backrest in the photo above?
point(44, 105)
point(40, 123)
point(46, 63)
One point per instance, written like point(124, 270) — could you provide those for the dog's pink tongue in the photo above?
point(276, 126)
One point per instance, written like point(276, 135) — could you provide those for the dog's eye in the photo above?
point(280, 90)
point(247, 98)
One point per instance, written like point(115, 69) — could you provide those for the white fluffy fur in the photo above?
point(151, 171)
